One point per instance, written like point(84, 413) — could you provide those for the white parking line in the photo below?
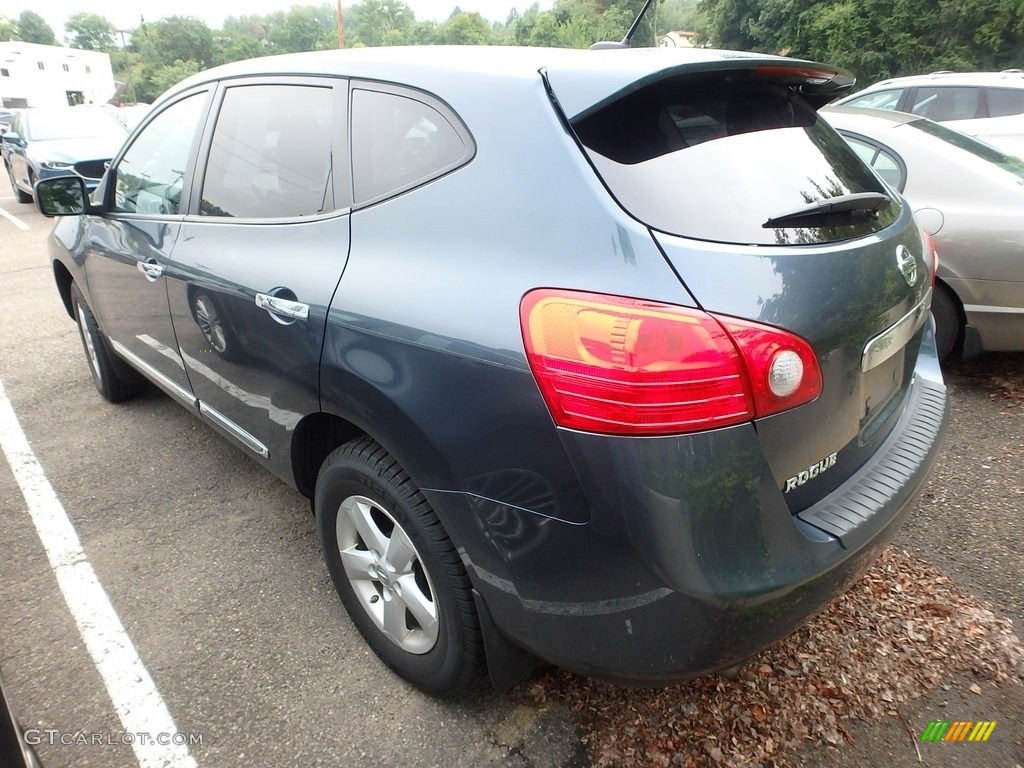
point(136, 699)
point(14, 220)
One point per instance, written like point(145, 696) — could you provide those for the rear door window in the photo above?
point(272, 153)
point(1004, 101)
point(715, 157)
point(402, 139)
point(946, 103)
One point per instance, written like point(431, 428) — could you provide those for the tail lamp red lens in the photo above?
point(626, 366)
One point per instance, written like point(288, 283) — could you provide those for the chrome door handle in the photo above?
point(294, 310)
point(150, 269)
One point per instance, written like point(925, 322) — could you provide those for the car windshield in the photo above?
point(45, 125)
point(980, 149)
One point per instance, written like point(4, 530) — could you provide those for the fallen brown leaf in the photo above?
point(899, 632)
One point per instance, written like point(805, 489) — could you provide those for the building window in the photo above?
point(66, 68)
point(88, 70)
point(4, 73)
point(41, 65)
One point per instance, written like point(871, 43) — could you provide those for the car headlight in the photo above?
point(55, 165)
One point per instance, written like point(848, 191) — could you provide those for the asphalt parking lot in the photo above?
point(213, 569)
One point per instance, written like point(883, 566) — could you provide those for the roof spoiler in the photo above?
point(627, 41)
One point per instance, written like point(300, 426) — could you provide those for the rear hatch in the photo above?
point(766, 214)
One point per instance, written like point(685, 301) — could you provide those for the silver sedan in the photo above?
point(969, 197)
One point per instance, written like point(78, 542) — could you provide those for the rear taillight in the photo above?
point(632, 367)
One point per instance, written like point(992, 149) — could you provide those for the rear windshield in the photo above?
point(715, 157)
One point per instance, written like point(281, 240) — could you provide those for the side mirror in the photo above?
point(61, 196)
point(10, 137)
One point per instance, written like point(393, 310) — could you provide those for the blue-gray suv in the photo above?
point(617, 359)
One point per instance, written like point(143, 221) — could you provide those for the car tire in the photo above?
point(396, 570)
point(21, 197)
point(111, 384)
point(949, 324)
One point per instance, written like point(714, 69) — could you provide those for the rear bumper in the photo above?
point(691, 560)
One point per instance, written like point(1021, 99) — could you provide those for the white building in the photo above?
point(34, 75)
point(679, 39)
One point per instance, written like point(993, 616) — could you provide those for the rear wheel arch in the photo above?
point(319, 434)
point(315, 436)
point(352, 406)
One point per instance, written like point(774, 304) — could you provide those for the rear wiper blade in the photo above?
point(865, 203)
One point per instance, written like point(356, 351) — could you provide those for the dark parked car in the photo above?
point(44, 142)
point(620, 359)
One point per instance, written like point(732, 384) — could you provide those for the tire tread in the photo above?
point(111, 384)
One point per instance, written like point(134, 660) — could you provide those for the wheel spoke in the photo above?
point(394, 625)
point(357, 562)
point(385, 571)
point(400, 552)
point(420, 606)
point(359, 512)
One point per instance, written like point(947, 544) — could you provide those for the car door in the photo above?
point(260, 254)
point(130, 243)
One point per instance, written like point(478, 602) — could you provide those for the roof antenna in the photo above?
point(627, 41)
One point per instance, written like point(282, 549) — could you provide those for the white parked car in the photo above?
point(986, 105)
point(968, 196)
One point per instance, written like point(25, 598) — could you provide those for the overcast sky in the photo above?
point(126, 15)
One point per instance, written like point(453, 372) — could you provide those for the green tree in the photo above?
point(252, 26)
point(729, 23)
point(232, 46)
point(178, 38)
point(89, 31)
point(378, 22)
point(8, 29)
point(305, 28)
point(32, 28)
point(874, 39)
point(172, 74)
point(465, 28)
point(577, 24)
point(423, 33)
point(674, 15)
